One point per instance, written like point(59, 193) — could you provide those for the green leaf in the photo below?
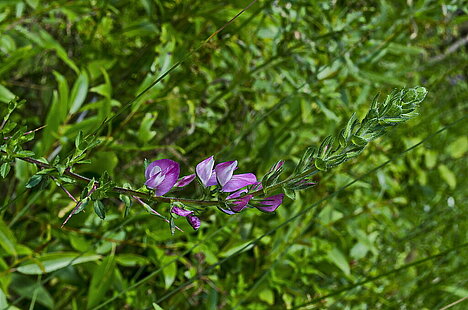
point(458, 148)
point(169, 271)
point(100, 209)
point(63, 96)
point(337, 257)
point(448, 176)
point(128, 203)
point(290, 193)
point(29, 288)
point(320, 164)
point(131, 260)
point(145, 134)
point(79, 140)
point(6, 95)
point(359, 141)
point(267, 296)
point(4, 169)
point(55, 261)
point(101, 281)
point(34, 180)
point(79, 92)
point(3, 300)
point(349, 126)
point(7, 239)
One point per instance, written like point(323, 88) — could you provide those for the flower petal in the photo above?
point(170, 179)
point(271, 203)
point(184, 181)
point(224, 171)
point(154, 181)
point(180, 211)
point(163, 164)
point(240, 203)
point(236, 194)
point(194, 221)
point(227, 211)
point(239, 181)
point(204, 170)
point(212, 181)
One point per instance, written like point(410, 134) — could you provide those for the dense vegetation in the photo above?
point(384, 230)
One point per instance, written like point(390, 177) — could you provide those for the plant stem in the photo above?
point(135, 193)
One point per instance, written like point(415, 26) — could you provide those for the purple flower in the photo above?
point(224, 171)
point(191, 219)
point(181, 212)
point(204, 170)
point(161, 175)
point(194, 221)
point(271, 203)
point(239, 181)
point(184, 181)
point(241, 203)
point(236, 202)
point(222, 174)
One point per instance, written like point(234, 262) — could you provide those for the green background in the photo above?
point(279, 78)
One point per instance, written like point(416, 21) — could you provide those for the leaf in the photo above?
point(245, 246)
point(101, 281)
point(267, 296)
point(458, 148)
point(54, 119)
point(31, 289)
point(290, 193)
point(78, 93)
point(448, 176)
point(349, 126)
point(6, 95)
point(131, 260)
point(63, 95)
point(34, 180)
point(145, 134)
point(337, 257)
point(3, 300)
point(55, 261)
point(320, 164)
point(4, 169)
point(79, 140)
point(7, 239)
point(359, 141)
point(100, 209)
point(169, 271)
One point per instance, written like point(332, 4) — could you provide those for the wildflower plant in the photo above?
point(221, 186)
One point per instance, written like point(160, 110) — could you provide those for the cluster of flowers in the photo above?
point(162, 175)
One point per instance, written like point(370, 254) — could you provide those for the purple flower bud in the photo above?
point(184, 181)
point(194, 221)
point(161, 175)
point(180, 211)
point(240, 203)
point(271, 203)
point(204, 170)
point(277, 166)
point(256, 187)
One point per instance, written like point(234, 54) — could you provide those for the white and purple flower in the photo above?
point(223, 174)
point(161, 175)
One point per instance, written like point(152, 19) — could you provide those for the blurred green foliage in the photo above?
point(279, 78)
